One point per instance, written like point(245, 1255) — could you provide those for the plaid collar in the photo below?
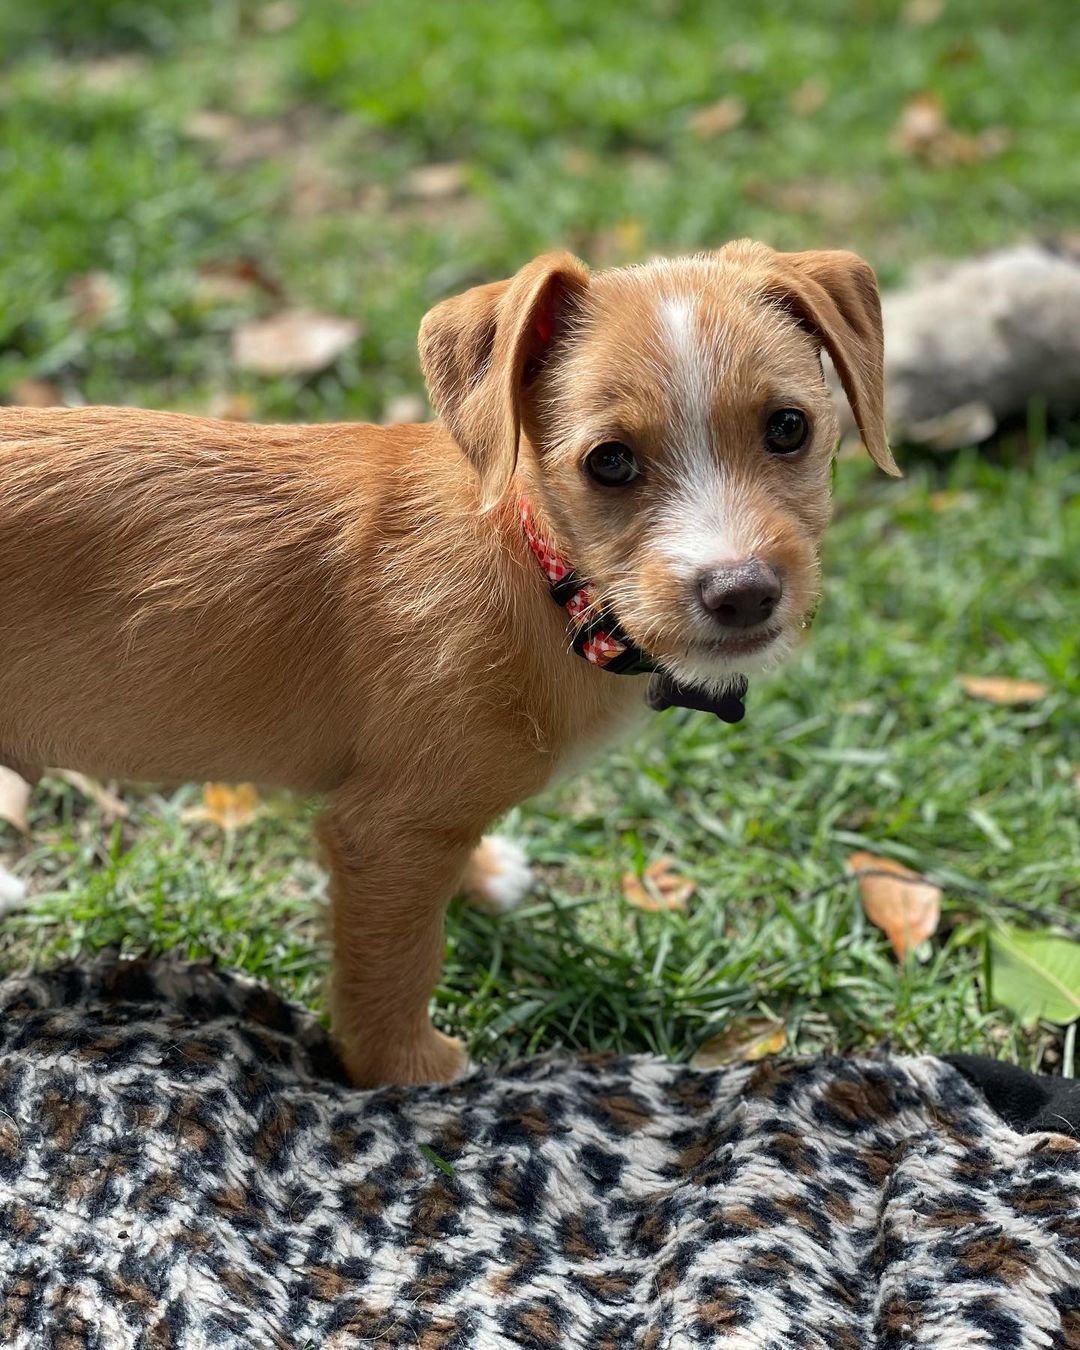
point(596, 632)
point(598, 637)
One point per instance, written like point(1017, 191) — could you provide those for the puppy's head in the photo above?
point(672, 424)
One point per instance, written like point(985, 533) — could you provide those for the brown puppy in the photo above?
point(356, 610)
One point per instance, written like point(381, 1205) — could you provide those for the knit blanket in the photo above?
point(182, 1165)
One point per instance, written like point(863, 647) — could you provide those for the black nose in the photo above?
point(743, 595)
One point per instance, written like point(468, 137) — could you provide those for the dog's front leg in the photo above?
point(390, 881)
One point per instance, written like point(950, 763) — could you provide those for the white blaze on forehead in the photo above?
point(692, 377)
point(702, 525)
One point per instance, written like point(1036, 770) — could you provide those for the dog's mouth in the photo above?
point(712, 662)
point(740, 644)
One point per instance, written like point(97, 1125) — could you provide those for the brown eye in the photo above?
point(612, 464)
point(786, 431)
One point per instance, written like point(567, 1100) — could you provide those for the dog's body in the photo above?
point(354, 610)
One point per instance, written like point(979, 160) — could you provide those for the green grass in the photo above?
point(572, 124)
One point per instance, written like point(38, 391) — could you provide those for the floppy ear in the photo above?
point(834, 296)
point(479, 350)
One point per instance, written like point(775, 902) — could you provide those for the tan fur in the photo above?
point(352, 610)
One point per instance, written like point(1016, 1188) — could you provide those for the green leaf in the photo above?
point(441, 1163)
point(1035, 974)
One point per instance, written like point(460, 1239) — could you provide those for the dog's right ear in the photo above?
point(479, 350)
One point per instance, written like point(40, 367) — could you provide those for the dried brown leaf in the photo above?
point(1001, 689)
point(14, 799)
point(903, 904)
point(205, 124)
point(717, 118)
point(403, 409)
point(619, 244)
point(231, 279)
point(922, 123)
point(112, 807)
point(226, 806)
point(33, 393)
point(105, 73)
point(743, 1041)
point(741, 57)
point(923, 132)
point(809, 97)
point(232, 407)
point(921, 13)
point(94, 296)
point(276, 15)
point(237, 141)
point(948, 500)
point(659, 889)
point(294, 342)
point(436, 182)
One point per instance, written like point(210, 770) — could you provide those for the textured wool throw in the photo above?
point(181, 1165)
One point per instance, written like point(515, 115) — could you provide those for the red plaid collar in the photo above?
point(596, 633)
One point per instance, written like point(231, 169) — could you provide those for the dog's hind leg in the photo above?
point(390, 880)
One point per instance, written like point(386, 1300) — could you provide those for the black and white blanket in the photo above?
point(182, 1165)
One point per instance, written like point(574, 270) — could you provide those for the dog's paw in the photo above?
point(429, 1057)
point(498, 877)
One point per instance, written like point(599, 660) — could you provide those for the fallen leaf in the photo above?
point(1035, 974)
point(946, 500)
point(276, 16)
point(315, 189)
point(922, 124)
point(403, 409)
point(436, 182)
point(659, 889)
point(920, 13)
point(579, 161)
point(111, 806)
point(106, 73)
point(960, 53)
point(743, 1041)
point(622, 242)
point(207, 125)
point(94, 296)
point(923, 132)
point(437, 1160)
point(232, 407)
point(227, 280)
point(226, 806)
point(294, 342)
point(903, 904)
point(717, 118)
point(741, 57)
point(1000, 689)
point(14, 799)
point(809, 97)
point(238, 142)
point(36, 394)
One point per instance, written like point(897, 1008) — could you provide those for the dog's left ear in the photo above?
point(478, 351)
point(834, 295)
